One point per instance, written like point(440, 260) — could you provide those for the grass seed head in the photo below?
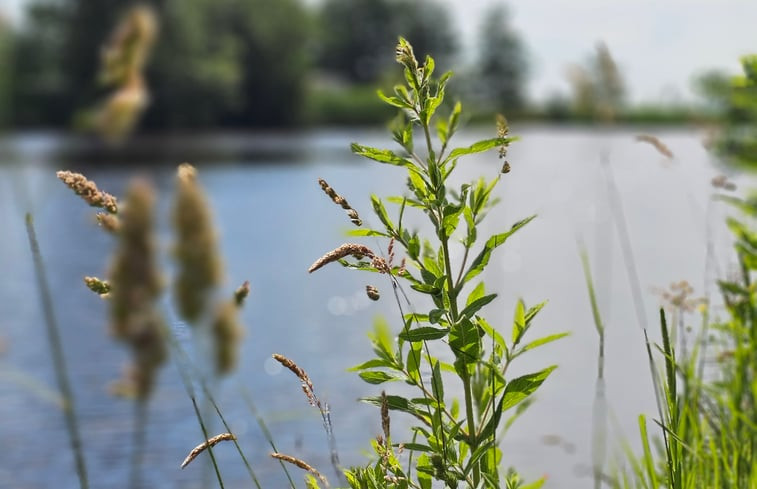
point(196, 249)
point(88, 191)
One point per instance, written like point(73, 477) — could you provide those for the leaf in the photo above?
point(378, 208)
point(366, 232)
point(476, 305)
point(489, 330)
point(424, 333)
point(437, 385)
point(543, 341)
point(394, 101)
point(480, 146)
point(520, 388)
point(413, 361)
point(476, 293)
point(376, 362)
point(480, 262)
point(519, 321)
point(378, 377)
point(465, 342)
point(380, 155)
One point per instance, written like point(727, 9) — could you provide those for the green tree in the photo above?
point(598, 87)
point(195, 77)
point(355, 35)
point(40, 88)
point(6, 76)
point(502, 67)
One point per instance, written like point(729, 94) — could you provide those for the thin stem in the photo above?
point(264, 428)
point(138, 443)
point(56, 350)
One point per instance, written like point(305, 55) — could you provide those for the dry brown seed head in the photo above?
point(210, 442)
point(348, 249)
point(656, 143)
point(307, 385)
point(372, 292)
point(88, 191)
point(301, 464)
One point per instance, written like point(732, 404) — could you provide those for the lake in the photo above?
point(273, 222)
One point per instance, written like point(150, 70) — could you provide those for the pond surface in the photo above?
point(273, 222)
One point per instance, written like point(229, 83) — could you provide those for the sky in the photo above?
point(658, 45)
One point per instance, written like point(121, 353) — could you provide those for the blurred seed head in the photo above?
point(88, 191)
point(135, 288)
point(195, 250)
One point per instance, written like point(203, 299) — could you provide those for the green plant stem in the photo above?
point(467, 388)
point(56, 350)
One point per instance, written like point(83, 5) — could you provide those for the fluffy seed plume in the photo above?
point(656, 143)
point(196, 250)
point(97, 286)
point(88, 191)
point(341, 201)
point(301, 464)
point(135, 289)
point(348, 249)
point(211, 442)
point(307, 385)
point(372, 292)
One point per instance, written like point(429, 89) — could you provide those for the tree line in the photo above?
point(244, 63)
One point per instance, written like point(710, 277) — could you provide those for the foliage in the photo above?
point(598, 88)
point(354, 34)
point(6, 76)
point(706, 391)
point(454, 441)
point(738, 141)
point(501, 69)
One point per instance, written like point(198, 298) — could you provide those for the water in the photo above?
point(273, 222)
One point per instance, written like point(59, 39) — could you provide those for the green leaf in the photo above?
point(476, 305)
point(489, 330)
point(520, 388)
point(543, 341)
point(480, 262)
point(479, 147)
point(437, 385)
point(533, 311)
point(476, 293)
point(394, 101)
point(424, 333)
point(412, 364)
point(465, 342)
point(380, 155)
point(374, 363)
point(417, 447)
point(378, 377)
point(519, 321)
point(378, 208)
point(366, 232)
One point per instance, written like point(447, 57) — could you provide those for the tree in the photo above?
point(355, 35)
point(6, 76)
point(502, 68)
point(598, 87)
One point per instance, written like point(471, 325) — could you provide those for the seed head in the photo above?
point(196, 249)
point(88, 191)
